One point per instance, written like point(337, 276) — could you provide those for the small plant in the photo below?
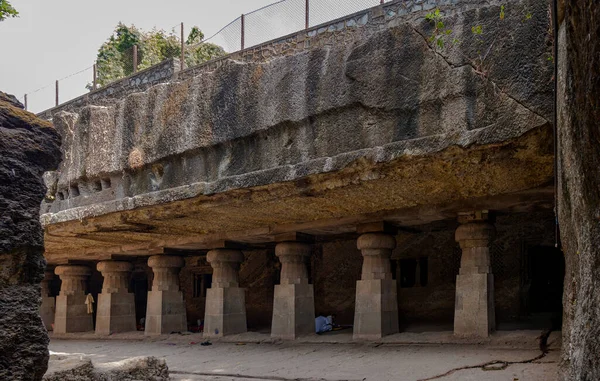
point(440, 30)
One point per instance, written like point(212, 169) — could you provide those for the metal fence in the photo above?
point(268, 23)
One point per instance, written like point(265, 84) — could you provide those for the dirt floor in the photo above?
point(410, 357)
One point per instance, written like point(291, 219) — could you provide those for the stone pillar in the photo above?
point(71, 310)
point(116, 305)
point(474, 313)
point(294, 301)
point(376, 310)
point(165, 312)
point(225, 300)
point(47, 308)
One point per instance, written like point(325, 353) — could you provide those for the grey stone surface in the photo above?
point(28, 147)
point(225, 311)
point(76, 368)
point(293, 311)
point(381, 96)
point(474, 308)
point(165, 312)
point(116, 313)
point(578, 157)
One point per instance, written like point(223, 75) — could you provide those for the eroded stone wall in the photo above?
point(375, 95)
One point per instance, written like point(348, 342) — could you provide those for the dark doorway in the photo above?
point(543, 286)
point(95, 288)
point(140, 292)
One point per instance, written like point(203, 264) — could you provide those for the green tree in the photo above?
point(115, 56)
point(7, 10)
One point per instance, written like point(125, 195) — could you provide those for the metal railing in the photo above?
point(279, 19)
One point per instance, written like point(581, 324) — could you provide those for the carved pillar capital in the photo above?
point(74, 279)
point(376, 249)
point(292, 256)
point(225, 264)
point(166, 272)
point(116, 276)
point(475, 234)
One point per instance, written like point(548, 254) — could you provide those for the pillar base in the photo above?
point(376, 310)
point(47, 309)
point(225, 311)
point(165, 313)
point(293, 311)
point(71, 315)
point(474, 313)
point(116, 313)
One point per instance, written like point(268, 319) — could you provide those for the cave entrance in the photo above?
point(544, 284)
point(140, 292)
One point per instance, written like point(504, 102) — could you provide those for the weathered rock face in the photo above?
point(29, 146)
point(75, 368)
point(378, 122)
point(579, 182)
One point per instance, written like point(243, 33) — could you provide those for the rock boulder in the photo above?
point(29, 146)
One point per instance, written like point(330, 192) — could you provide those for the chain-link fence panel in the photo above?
point(322, 11)
point(229, 38)
point(273, 21)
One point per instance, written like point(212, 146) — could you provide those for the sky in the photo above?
point(59, 39)
point(52, 39)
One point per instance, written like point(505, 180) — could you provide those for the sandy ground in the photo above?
point(407, 357)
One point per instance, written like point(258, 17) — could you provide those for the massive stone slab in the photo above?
point(28, 147)
point(381, 121)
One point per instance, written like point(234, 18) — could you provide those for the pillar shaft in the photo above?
point(165, 312)
point(376, 310)
point(116, 305)
point(293, 303)
point(474, 312)
point(48, 306)
point(71, 311)
point(225, 312)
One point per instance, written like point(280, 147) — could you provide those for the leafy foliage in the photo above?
point(7, 10)
point(115, 56)
point(440, 29)
point(440, 33)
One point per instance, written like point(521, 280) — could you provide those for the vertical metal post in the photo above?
point(182, 49)
point(57, 92)
point(135, 63)
point(25, 102)
point(243, 30)
point(95, 83)
point(307, 16)
point(381, 2)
